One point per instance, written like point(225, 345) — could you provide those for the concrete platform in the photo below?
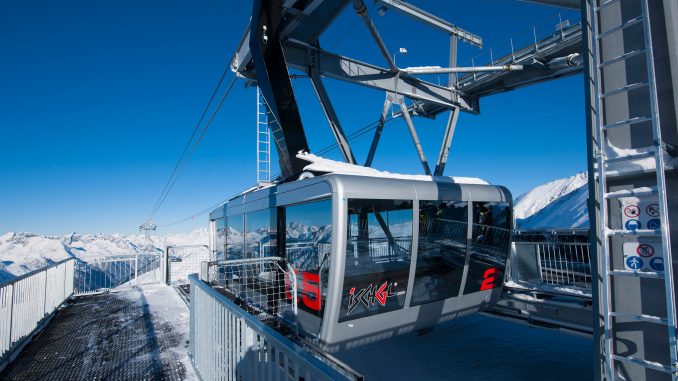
point(111, 336)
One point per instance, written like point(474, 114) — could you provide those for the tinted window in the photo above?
point(308, 245)
point(378, 251)
point(490, 246)
point(260, 234)
point(234, 237)
point(443, 227)
point(219, 250)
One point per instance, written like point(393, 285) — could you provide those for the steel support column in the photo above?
point(447, 141)
point(415, 137)
point(332, 118)
point(377, 132)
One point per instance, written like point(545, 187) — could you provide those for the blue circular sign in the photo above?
point(632, 225)
point(634, 262)
point(657, 264)
point(653, 223)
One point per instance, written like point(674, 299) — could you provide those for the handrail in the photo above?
point(273, 338)
point(24, 276)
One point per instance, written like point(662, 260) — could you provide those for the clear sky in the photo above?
point(98, 99)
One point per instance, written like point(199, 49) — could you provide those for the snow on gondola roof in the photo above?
point(319, 164)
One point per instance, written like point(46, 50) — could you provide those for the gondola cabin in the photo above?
point(374, 257)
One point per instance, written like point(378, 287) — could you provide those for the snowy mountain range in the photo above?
point(557, 204)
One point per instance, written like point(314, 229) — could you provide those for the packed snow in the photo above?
point(319, 164)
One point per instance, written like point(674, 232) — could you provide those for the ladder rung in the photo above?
point(636, 120)
point(624, 89)
point(641, 317)
point(637, 232)
point(637, 274)
point(605, 4)
point(623, 26)
point(635, 156)
point(636, 192)
point(622, 57)
point(644, 363)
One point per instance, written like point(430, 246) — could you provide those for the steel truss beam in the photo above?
point(332, 118)
point(306, 58)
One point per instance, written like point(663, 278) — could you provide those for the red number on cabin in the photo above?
point(310, 284)
point(488, 279)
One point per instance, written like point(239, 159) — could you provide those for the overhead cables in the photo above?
point(191, 144)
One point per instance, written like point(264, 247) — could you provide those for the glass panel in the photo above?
point(259, 234)
point(443, 226)
point(378, 252)
point(220, 227)
point(234, 237)
point(308, 245)
point(491, 242)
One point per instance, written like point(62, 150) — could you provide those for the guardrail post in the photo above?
point(44, 300)
point(11, 316)
point(136, 269)
point(204, 271)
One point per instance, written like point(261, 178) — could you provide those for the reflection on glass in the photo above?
point(220, 226)
point(443, 226)
point(491, 241)
point(259, 234)
point(378, 251)
point(308, 245)
point(234, 237)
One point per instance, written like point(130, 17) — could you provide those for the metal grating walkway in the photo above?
point(102, 337)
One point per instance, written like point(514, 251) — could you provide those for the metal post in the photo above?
point(44, 300)
point(447, 141)
point(534, 31)
point(332, 118)
point(415, 138)
point(452, 79)
point(136, 269)
point(361, 10)
point(513, 54)
point(377, 132)
point(204, 271)
point(11, 314)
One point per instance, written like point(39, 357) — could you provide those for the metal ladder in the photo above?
point(605, 231)
point(263, 141)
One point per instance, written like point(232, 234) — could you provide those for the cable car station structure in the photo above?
point(628, 51)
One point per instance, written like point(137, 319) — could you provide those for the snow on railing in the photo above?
point(228, 343)
point(28, 302)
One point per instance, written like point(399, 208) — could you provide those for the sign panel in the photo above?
point(644, 255)
point(639, 214)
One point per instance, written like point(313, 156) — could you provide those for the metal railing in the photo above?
point(265, 287)
point(556, 266)
point(379, 250)
point(228, 343)
point(181, 261)
point(105, 273)
point(27, 302)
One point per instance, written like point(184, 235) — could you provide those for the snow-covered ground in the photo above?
point(168, 309)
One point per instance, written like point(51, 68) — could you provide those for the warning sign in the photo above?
point(643, 256)
point(639, 214)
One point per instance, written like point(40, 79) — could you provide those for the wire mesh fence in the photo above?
point(265, 287)
point(184, 260)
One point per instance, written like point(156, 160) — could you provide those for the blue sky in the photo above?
point(97, 100)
